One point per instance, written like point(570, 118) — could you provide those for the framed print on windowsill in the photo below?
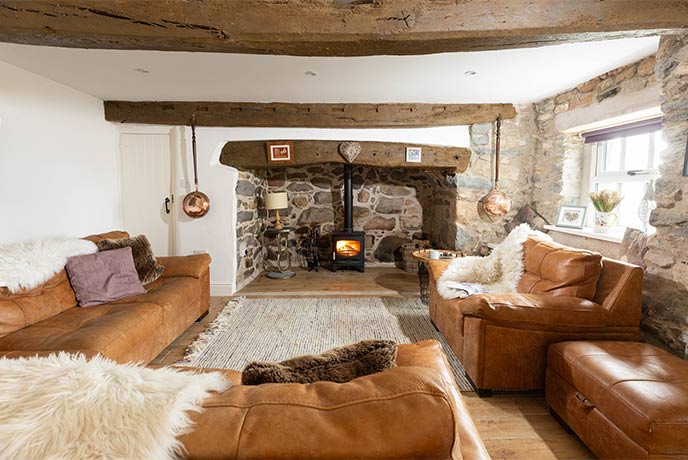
point(571, 216)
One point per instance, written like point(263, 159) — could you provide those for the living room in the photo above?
point(344, 229)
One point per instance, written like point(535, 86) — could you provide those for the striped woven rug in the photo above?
point(280, 328)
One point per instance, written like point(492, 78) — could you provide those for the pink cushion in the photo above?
point(104, 276)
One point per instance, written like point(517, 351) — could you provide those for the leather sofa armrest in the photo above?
point(537, 309)
point(436, 268)
point(193, 266)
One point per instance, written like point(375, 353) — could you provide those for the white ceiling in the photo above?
point(516, 76)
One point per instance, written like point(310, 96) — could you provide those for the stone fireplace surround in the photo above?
point(393, 206)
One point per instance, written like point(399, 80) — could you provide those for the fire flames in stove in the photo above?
point(348, 248)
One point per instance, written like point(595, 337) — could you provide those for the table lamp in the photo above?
point(276, 201)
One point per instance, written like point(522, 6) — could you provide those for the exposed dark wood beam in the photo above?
point(253, 155)
point(248, 114)
point(332, 27)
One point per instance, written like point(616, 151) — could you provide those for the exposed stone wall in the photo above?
point(559, 157)
point(558, 163)
point(666, 282)
point(251, 219)
point(517, 147)
point(439, 208)
point(387, 205)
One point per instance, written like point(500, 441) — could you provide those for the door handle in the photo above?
point(167, 205)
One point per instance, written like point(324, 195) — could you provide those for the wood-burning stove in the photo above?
point(348, 246)
point(349, 250)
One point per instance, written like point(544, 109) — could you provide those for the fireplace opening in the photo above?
point(348, 248)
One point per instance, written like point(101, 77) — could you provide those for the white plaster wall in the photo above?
point(58, 160)
point(215, 232)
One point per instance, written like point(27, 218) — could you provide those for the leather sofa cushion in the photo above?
point(31, 306)
point(536, 309)
point(121, 332)
point(176, 297)
point(641, 389)
point(554, 269)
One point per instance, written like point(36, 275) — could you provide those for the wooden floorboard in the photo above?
point(520, 427)
point(512, 426)
point(375, 282)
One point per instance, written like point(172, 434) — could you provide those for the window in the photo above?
point(628, 163)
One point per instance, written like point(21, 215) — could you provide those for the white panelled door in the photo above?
point(146, 184)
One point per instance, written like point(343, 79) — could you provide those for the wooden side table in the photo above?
point(282, 266)
point(423, 256)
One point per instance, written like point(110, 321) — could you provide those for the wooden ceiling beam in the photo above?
point(332, 27)
point(288, 115)
point(247, 155)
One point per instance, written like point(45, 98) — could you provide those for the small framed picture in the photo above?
point(281, 152)
point(413, 154)
point(571, 216)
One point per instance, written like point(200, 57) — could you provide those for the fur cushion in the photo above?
point(337, 365)
point(146, 265)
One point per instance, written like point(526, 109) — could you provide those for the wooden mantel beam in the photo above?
point(332, 27)
point(287, 115)
point(248, 155)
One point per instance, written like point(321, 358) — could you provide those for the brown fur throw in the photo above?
point(337, 365)
point(146, 265)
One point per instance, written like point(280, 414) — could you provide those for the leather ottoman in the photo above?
point(625, 400)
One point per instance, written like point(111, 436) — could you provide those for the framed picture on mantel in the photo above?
point(280, 152)
point(413, 154)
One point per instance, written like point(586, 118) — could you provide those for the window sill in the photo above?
point(615, 236)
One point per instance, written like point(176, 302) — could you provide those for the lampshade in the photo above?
point(277, 200)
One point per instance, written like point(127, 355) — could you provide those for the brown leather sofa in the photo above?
point(565, 294)
point(46, 319)
point(413, 411)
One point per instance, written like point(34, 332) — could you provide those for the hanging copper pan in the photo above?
point(196, 204)
point(496, 203)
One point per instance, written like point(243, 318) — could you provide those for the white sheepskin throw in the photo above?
point(28, 265)
point(497, 273)
point(68, 408)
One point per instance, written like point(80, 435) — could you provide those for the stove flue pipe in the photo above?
point(348, 200)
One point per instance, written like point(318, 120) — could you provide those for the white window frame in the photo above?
point(596, 152)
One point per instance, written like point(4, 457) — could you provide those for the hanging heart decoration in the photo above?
point(349, 150)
